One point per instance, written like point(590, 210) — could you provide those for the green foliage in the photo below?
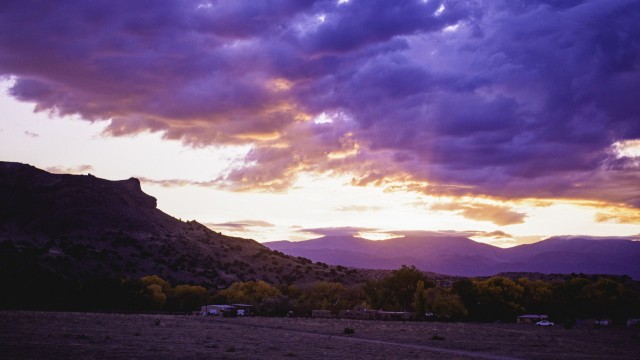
point(466, 291)
point(537, 297)
point(420, 301)
point(188, 297)
point(320, 296)
point(399, 288)
point(596, 298)
point(153, 291)
point(374, 294)
point(251, 292)
point(155, 297)
point(26, 276)
point(155, 280)
point(445, 304)
point(266, 299)
point(499, 298)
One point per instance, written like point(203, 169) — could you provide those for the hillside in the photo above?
point(79, 228)
point(461, 256)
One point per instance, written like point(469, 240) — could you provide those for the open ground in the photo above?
point(57, 335)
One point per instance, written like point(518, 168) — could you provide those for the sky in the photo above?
point(505, 121)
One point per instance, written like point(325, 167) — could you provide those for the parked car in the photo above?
point(544, 323)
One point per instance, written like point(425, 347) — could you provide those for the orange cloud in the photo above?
point(623, 215)
point(499, 215)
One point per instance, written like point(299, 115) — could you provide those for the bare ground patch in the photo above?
point(44, 335)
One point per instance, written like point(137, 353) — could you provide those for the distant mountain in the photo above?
point(461, 256)
point(80, 227)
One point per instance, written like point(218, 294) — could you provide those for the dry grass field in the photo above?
point(50, 335)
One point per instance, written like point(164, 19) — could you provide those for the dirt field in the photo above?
point(42, 335)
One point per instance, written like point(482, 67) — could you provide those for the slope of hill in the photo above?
point(464, 257)
point(80, 227)
point(575, 254)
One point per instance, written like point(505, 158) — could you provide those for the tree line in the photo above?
point(496, 298)
point(490, 299)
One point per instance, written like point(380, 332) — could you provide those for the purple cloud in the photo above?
point(498, 98)
point(337, 231)
point(239, 226)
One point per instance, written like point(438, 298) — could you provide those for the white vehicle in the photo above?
point(544, 323)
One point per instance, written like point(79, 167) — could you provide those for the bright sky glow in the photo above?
point(314, 202)
point(484, 118)
point(452, 28)
point(323, 119)
point(629, 148)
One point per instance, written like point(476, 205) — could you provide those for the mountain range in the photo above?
point(80, 227)
point(461, 256)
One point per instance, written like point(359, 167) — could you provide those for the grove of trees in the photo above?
point(489, 299)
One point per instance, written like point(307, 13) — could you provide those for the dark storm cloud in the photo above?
point(499, 98)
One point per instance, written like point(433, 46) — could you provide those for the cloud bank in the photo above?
point(493, 98)
point(240, 225)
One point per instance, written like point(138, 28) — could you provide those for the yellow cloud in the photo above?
point(257, 136)
point(619, 216)
point(497, 214)
point(280, 84)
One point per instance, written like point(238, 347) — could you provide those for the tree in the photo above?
point(570, 302)
point(375, 294)
point(499, 298)
point(604, 297)
point(250, 292)
point(445, 304)
point(400, 286)
point(537, 297)
point(264, 297)
point(188, 297)
point(155, 297)
point(155, 280)
point(466, 291)
point(325, 295)
point(420, 302)
point(154, 290)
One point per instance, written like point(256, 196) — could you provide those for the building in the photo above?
point(218, 310)
point(243, 309)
